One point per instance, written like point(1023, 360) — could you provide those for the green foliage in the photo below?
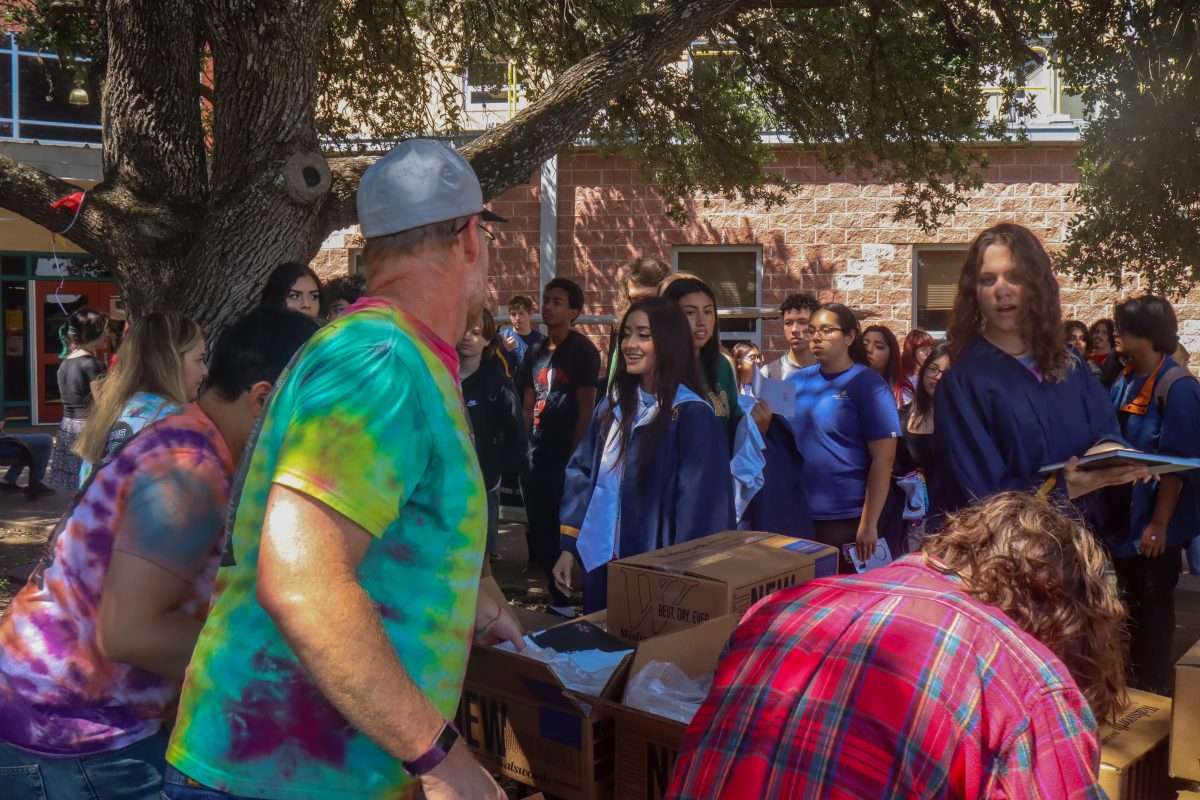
point(1140, 162)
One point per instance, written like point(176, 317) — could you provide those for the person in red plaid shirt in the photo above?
point(976, 669)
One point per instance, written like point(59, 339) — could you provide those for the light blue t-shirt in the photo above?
point(836, 416)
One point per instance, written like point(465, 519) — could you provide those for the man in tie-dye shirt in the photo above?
point(333, 657)
point(93, 650)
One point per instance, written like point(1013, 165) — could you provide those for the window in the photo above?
point(489, 84)
point(735, 276)
point(356, 261)
point(36, 93)
point(936, 269)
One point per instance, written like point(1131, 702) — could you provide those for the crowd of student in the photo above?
point(311, 642)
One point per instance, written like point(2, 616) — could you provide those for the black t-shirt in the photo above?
point(75, 376)
point(555, 375)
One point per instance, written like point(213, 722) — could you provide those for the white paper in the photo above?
point(780, 395)
point(584, 671)
point(881, 558)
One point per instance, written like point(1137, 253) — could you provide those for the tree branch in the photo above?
point(510, 152)
point(1016, 40)
point(29, 191)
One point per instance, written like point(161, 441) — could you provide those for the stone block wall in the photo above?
point(834, 235)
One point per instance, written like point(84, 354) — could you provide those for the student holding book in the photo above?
point(653, 469)
point(1158, 406)
point(1016, 398)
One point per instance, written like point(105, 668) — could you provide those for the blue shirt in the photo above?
point(1174, 432)
point(836, 416)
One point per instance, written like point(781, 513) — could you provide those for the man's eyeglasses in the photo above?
point(821, 333)
point(491, 236)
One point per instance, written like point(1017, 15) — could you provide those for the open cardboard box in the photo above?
point(1133, 752)
point(1185, 719)
point(647, 744)
point(521, 722)
point(692, 582)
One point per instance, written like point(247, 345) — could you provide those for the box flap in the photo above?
point(1191, 658)
point(1143, 725)
point(730, 557)
point(694, 650)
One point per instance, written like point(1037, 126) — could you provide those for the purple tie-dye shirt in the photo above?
point(162, 500)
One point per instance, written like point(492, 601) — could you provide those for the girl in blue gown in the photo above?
point(1015, 398)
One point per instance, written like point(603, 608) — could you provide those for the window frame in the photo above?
point(917, 249)
point(10, 45)
point(733, 336)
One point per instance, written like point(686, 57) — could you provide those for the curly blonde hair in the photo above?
point(1045, 571)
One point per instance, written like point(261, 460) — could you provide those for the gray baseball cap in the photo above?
point(419, 182)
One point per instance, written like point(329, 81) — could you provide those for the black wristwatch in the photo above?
point(437, 752)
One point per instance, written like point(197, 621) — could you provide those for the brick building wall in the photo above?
point(834, 236)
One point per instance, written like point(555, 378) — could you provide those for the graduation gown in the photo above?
point(686, 493)
point(996, 423)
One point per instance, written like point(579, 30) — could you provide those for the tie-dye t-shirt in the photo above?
point(369, 420)
point(162, 500)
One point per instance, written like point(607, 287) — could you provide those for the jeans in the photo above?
point(1148, 588)
point(177, 786)
point(41, 445)
point(134, 772)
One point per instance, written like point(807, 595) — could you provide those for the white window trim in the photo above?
point(756, 336)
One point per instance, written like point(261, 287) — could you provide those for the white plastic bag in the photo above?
point(584, 671)
point(664, 689)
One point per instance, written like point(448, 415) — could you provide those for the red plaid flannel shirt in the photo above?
point(892, 684)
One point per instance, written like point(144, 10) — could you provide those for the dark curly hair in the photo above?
point(1045, 571)
point(1040, 317)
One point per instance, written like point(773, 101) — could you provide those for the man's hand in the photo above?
point(761, 413)
point(460, 777)
point(494, 622)
point(1154, 541)
point(564, 572)
point(865, 541)
point(1081, 481)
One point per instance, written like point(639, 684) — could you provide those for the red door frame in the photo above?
point(46, 346)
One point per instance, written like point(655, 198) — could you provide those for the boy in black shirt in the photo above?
point(558, 380)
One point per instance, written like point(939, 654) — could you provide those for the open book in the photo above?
point(1158, 465)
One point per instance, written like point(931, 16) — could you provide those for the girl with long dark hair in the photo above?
point(653, 469)
point(883, 356)
point(296, 287)
point(497, 419)
point(846, 429)
point(719, 384)
point(1016, 398)
point(916, 453)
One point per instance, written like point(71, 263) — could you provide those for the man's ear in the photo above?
point(577, 312)
point(257, 395)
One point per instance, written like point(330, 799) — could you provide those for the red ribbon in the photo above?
point(71, 202)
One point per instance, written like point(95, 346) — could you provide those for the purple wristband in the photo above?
point(436, 753)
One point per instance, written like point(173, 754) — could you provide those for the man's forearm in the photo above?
point(360, 673)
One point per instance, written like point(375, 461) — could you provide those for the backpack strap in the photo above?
point(1168, 379)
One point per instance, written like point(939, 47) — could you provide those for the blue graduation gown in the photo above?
point(995, 424)
point(687, 492)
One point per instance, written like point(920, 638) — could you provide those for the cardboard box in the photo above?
point(520, 722)
point(1133, 752)
point(1185, 719)
point(648, 745)
point(687, 584)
